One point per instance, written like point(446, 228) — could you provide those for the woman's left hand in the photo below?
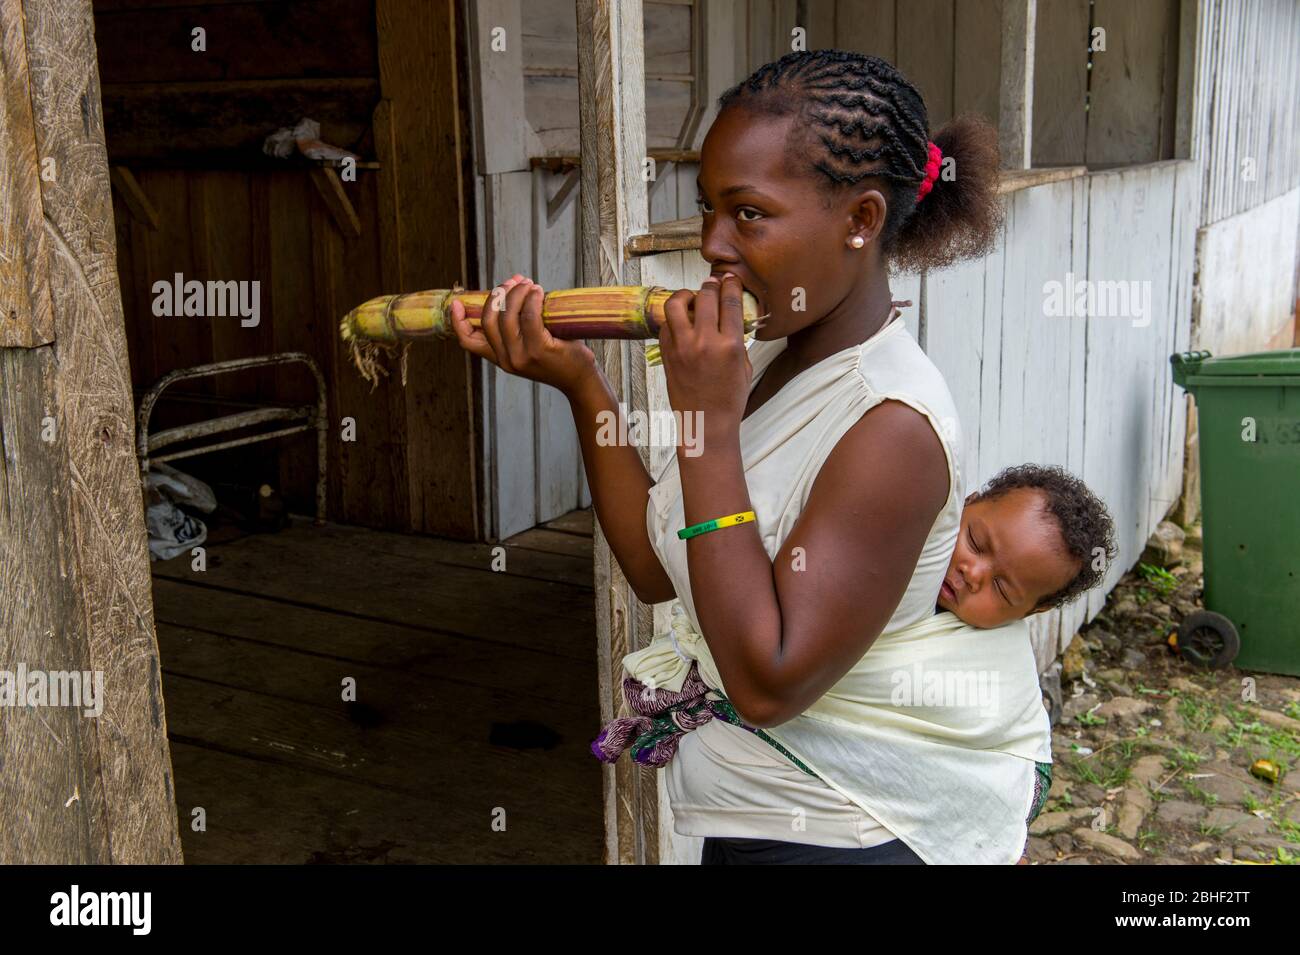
point(702, 342)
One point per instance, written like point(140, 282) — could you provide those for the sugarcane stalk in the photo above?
point(610, 312)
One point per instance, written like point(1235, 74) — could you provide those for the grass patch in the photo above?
point(1199, 794)
point(1198, 713)
point(1126, 749)
point(1149, 840)
point(1085, 771)
point(1290, 831)
point(1186, 759)
point(1162, 581)
point(1108, 769)
point(1262, 742)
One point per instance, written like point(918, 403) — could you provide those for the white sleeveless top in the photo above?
point(725, 781)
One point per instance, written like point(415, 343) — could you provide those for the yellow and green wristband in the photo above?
point(695, 530)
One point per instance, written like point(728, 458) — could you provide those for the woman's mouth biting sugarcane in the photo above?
point(610, 312)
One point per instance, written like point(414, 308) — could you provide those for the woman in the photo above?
point(817, 175)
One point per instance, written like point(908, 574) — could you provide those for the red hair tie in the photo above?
point(931, 170)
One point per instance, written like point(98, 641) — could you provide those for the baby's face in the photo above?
point(1009, 556)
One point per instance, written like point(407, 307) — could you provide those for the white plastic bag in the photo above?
point(182, 488)
point(172, 532)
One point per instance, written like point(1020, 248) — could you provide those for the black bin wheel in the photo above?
point(1208, 639)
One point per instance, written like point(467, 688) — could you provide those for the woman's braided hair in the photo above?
point(859, 117)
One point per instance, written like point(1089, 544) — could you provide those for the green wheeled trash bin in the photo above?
point(1248, 409)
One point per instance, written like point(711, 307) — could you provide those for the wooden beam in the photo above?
point(614, 207)
point(568, 162)
point(52, 803)
point(85, 790)
point(561, 197)
point(1016, 112)
point(390, 217)
point(137, 203)
point(677, 234)
point(26, 318)
point(667, 236)
point(1189, 41)
point(498, 69)
point(565, 72)
point(714, 62)
point(1013, 180)
point(418, 75)
point(330, 188)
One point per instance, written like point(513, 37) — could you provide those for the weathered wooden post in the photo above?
point(75, 594)
point(611, 103)
point(1016, 114)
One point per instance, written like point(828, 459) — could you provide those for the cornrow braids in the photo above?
point(858, 118)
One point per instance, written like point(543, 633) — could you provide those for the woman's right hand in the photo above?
point(515, 340)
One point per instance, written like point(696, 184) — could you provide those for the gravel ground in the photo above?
point(1152, 755)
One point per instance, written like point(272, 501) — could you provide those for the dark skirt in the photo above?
point(719, 851)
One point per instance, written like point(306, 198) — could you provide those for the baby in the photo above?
point(1032, 539)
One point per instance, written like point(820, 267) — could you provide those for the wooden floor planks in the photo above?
point(476, 695)
point(386, 577)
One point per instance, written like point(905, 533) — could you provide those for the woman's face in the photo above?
point(773, 230)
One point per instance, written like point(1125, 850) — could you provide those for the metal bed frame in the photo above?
point(299, 418)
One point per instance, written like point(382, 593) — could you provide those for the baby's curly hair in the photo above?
point(1086, 526)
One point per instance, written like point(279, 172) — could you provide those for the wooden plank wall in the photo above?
point(1133, 83)
point(226, 212)
point(1248, 104)
point(1133, 87)
point(550, 72)
point(615, 207)
point(533, 471)
point(1246, 279)
point(1060, 128)
point(917, 36)
point(1244, 127)
point(529, 446)
point(1125, 108)
point(1090, 393)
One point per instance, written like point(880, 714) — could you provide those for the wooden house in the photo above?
point(1151, 142)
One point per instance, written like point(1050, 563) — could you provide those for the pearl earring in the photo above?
point(857, 242)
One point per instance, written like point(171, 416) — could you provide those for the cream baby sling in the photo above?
point(934, 732)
